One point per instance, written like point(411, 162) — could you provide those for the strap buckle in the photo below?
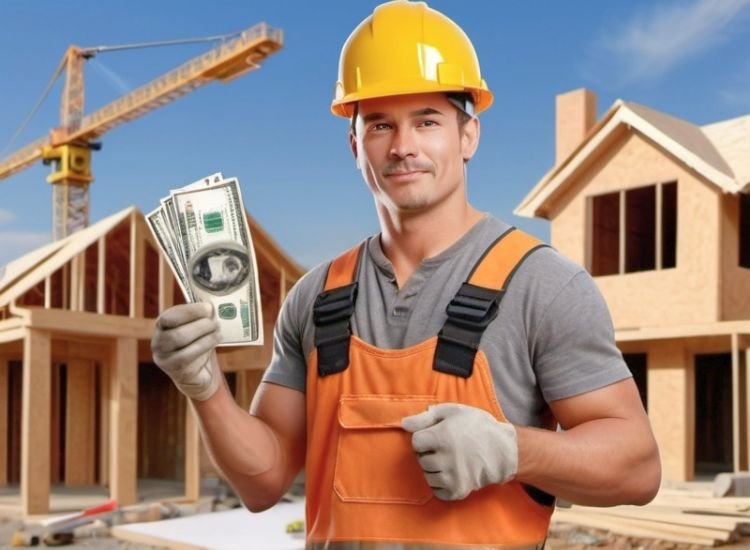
point(334, 306)
point(471, 310)
point(332, 314)
point(474, 307)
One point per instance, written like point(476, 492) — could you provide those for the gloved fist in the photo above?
point(182, 344)
point(462, 449)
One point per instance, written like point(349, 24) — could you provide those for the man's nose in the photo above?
point(404, 143)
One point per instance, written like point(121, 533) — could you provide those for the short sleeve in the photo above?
point(293, 334)
point(287, 367)
point(573, 348)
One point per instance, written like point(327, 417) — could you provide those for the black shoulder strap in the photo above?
point(477, 302)
point(333, 310)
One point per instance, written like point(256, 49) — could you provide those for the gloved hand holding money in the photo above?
point(203, 232)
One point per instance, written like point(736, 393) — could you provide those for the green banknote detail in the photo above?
point(213, 222)
point(227, 311)
point(245, 317)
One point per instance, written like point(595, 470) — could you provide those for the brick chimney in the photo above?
point(575, 114)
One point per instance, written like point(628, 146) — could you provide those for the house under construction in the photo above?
point(658, 210)
point(81, 402)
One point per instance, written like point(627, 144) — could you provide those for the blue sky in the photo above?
point(273, 130)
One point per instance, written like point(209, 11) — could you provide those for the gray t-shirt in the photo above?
point(552, 339)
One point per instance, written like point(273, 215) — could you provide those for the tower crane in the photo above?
point(68, 147)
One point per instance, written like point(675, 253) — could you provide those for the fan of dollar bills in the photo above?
point(203, 232)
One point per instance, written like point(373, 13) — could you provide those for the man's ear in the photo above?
point(353, 147)
point(470, 138)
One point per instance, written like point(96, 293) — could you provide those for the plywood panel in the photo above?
point(35, 423)
point(687, 293)
point(735, 289)
point(123, 421)
point(671, 408)
point(79, 424)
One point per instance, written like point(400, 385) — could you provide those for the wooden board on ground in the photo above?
point(678, 516)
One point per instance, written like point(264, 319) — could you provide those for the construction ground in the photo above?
point(683, 516)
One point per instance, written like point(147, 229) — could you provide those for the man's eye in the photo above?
point(379, 127)
point(428, 123)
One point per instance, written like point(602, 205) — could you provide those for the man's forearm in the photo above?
point(602, 462)
point(245, 449)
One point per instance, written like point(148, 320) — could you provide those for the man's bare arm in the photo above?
point(606, 455)
point(260, 452)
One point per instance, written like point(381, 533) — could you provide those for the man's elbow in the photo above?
point(256, 506)
point(642, 482)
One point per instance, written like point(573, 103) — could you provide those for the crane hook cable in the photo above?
point(91, 52)
point(36, 108)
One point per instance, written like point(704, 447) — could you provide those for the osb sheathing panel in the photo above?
point(685, 294)
point(735, 280)
point(671, 407)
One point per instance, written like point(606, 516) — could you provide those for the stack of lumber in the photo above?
point(688, 517)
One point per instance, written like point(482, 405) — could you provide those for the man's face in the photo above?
point(411, 150)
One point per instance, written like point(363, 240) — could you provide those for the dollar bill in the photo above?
point(203, 231)
point(159, 225)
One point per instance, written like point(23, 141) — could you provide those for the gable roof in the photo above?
point(29, 270)
point(719, 152)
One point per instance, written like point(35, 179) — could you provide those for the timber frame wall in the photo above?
point(76, 323)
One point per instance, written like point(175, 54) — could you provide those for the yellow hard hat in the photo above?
point(407, 48)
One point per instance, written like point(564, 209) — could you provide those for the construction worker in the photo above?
point(419, 377)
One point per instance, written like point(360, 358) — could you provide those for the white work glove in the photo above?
point(182, 347)
point(462, 449)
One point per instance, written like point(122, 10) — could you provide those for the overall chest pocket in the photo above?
point(375, 461)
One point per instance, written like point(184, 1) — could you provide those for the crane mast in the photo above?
point(68, 147)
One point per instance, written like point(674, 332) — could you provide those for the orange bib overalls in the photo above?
point(363, 481)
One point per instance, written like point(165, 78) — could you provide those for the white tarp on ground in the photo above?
point(230, 530)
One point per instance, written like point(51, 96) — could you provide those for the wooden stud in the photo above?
point(65, 286)
point(282, 287)
point(166, 285)
point(623, 234)
point(588, 251)
point(35, 423)
point(192, 455)
point(658, 232)
point(79, 423)
point(47, 292)
point(735, 403)
point(137, 265)
point(123, 421)
point(56, 423)
point(77, 282)
point(101, 258)
point(4, 368)
point(747, 405)
point(104, 424)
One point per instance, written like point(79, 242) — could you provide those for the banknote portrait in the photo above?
point(220, 268)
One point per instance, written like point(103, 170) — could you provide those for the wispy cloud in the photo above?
point(6, 216)
point(666, 35)
point(18, 243)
